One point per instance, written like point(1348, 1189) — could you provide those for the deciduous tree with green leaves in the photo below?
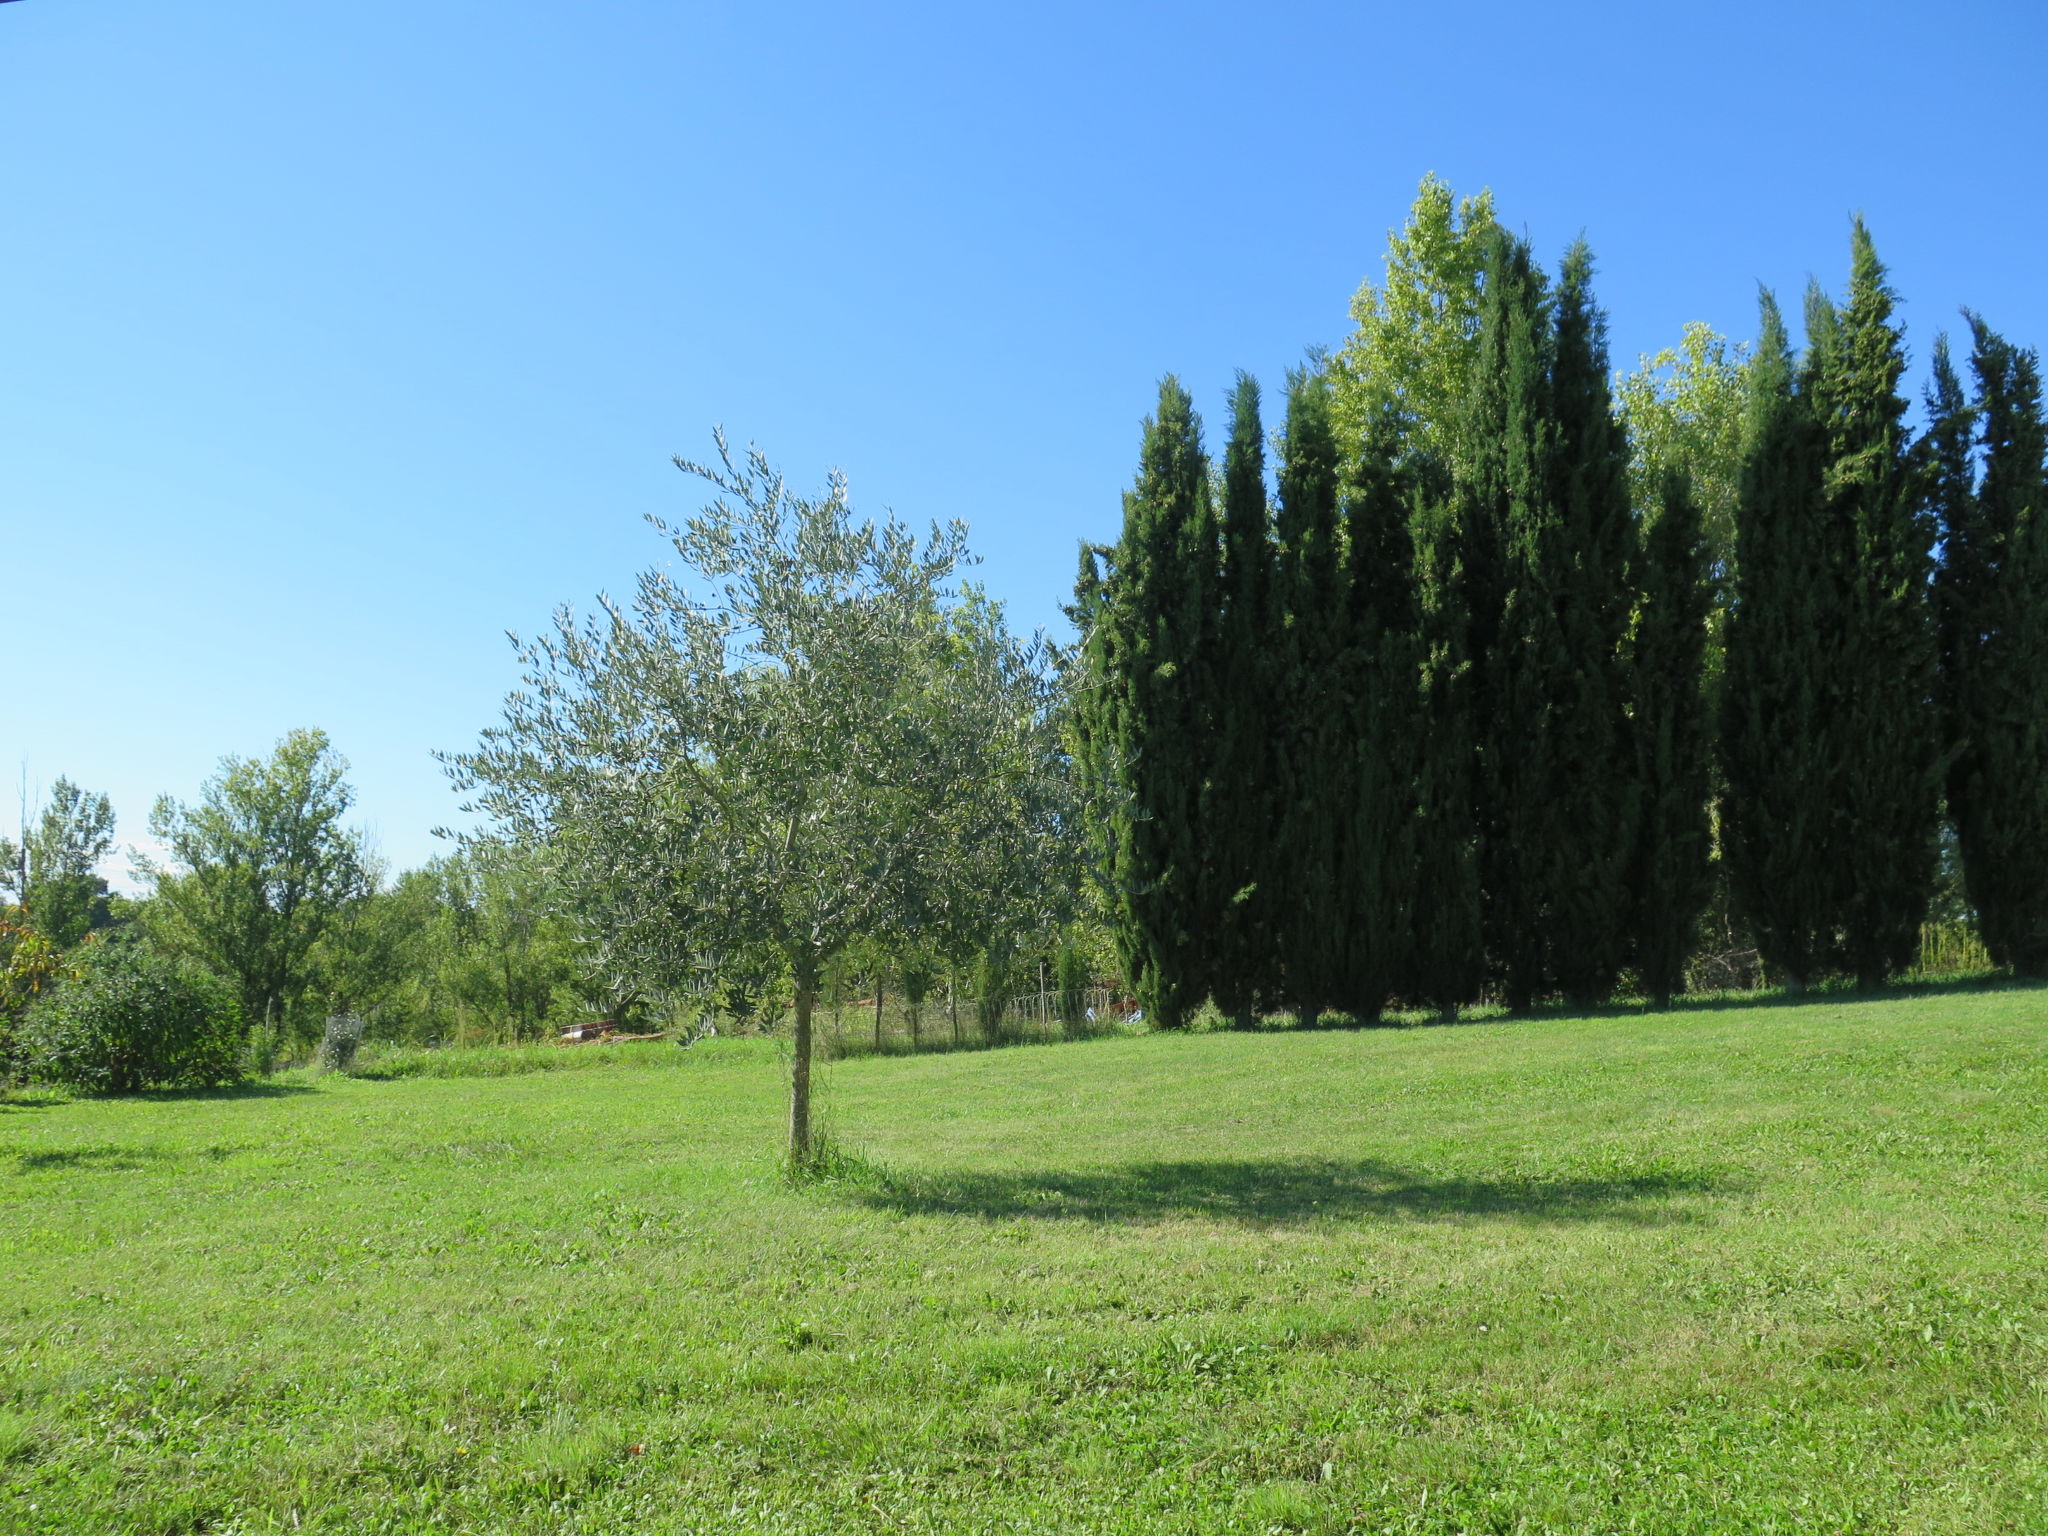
point(257, 869)
point(55, 868)
point(790, 761)
point(1410, 358)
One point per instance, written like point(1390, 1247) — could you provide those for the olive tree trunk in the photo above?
point(800, 1074)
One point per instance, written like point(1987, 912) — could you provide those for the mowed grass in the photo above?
point(1764, 1269)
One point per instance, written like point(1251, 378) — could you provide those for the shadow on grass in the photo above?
point(256, 1090)
point(107, 1155)
point(31, 1098)
point(92, 1157)
point(1279, 1192)
point(1829, 993)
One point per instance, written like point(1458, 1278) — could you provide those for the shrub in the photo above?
point(338, 1045)
point(129, 1018)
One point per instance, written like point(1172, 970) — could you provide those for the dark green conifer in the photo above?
point(1886, 729)
point(1993, 599)
point(1446, 960)
point(1582, 562)
point(1309, 735)
point(1779, 701)
point(1508, 541)
point(1669, 875)
point(1241, 809)
point(1144, 711)
point(1375, 691)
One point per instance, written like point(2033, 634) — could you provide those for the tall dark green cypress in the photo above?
point(1517, 646)
point(1784, 637)
point(1309, 734)
point(1375, 693)
point(1669, 874)
point(1144, 718)
point(1993, 599)
point(1584, 566)
point(1886, 727)
point(1240, 817)
point(1446, 958)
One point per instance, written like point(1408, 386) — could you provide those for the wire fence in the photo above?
point(851, 1026)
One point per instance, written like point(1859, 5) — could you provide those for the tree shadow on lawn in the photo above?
point(256, 1090)
point(1834, 992)
point(1285, 1192)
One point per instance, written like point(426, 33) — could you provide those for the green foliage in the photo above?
point(1447, 961)
point(1992, 599)
point(811, 756)
point(1142, 713)
point(259, 869)
point(1780, 754)
point(30, 966)
point(485, 949)
point(1411, 358)
point(129, 1019)
point(1374, 765)
point(1241, 811)
point(1669, 875)
point(51, 871)
point(1884, 721)
point(1506, 542)
point(1310, 724)
point(1685, 408)
point(1580, 559)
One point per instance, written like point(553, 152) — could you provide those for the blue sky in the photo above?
point(338, 339)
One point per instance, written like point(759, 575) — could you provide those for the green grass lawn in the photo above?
point(1761, 1269)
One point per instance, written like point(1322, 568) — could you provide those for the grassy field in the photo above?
point(1762, 1269)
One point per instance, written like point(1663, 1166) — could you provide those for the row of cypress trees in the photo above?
point(1429, 719)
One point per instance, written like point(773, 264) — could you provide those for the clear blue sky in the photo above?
point(338, 338)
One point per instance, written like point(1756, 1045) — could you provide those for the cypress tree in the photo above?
point(1669, 877)
point(1375, 694)
point(1446, 960)
point(1508, 542)
point(1240, 816)
point(1148, 628)
point(1886, 726)
point(1993, 596)
point(1778, 749)
point(1309, 783)
point(1583, 567)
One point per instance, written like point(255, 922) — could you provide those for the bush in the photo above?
point(130, 1019)
point(339, 1044)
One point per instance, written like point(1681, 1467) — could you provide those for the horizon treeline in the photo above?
point(1504, 670)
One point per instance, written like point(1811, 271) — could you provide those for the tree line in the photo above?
point(1488, 672)
point(1493, 680)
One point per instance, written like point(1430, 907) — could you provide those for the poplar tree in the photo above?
point(1146, 609)
point(1311, 789)
point(1779, 748)
point(1240, 811)
point(1993, 600)
point(1669, 876)
point(1886, 727)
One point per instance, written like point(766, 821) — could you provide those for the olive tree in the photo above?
point(816, 749)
